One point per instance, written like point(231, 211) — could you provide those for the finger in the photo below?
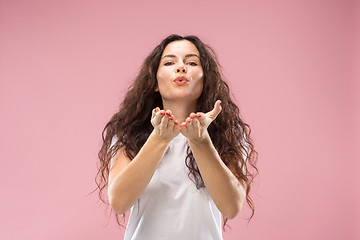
point(159, 115)
point(155, 110)
point(174, 126)
point(198, 114)
point(171, 116)
point(201, 117)
point(168, 112)
point(171, 123)
point(165, 121)
point(153, 113)
point(216, 110)
point(192, 115)
point(162, 112)
point(189, 123)
point(196, 124)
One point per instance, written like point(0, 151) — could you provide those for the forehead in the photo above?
point(180, 47)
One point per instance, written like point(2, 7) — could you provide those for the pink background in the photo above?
point(292, 67)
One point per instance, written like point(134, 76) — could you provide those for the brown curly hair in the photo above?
point(131, 124)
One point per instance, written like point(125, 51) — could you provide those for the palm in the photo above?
point(195, 126)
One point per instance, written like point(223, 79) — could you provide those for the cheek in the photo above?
point(161, 84)
point(160, 78)
point(199, 77)
point(162, 75)
point(198, 83)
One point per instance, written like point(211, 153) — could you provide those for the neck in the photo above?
point(180, 109)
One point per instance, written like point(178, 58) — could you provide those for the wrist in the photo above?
point(159, 139)
point(204, 139)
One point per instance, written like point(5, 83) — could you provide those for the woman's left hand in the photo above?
point(195, 126)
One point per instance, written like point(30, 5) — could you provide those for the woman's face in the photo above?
point(180, 59)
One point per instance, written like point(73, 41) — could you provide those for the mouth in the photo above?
point(181, 80)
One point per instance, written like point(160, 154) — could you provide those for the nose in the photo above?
point(181, 69)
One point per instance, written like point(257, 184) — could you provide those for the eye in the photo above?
point(192, 63)
point(168, 63)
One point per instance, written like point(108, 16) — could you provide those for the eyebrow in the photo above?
point(186, 56)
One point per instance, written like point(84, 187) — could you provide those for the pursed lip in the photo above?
point(181, 78)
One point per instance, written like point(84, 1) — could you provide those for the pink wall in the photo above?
point(291, 66)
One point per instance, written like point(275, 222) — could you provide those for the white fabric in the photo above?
point(171, 207)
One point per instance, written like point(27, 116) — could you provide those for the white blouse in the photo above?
point(171, 207)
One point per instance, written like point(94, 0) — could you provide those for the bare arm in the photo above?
point(128, 179)
point(225, 189)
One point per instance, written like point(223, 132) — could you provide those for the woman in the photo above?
point(176, 154)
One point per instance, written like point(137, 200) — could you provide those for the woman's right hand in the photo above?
point(165, 125)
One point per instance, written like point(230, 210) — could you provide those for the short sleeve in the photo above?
point(113, 141)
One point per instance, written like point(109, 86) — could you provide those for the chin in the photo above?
point(179, 97)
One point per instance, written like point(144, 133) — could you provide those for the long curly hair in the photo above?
point(131, 124)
